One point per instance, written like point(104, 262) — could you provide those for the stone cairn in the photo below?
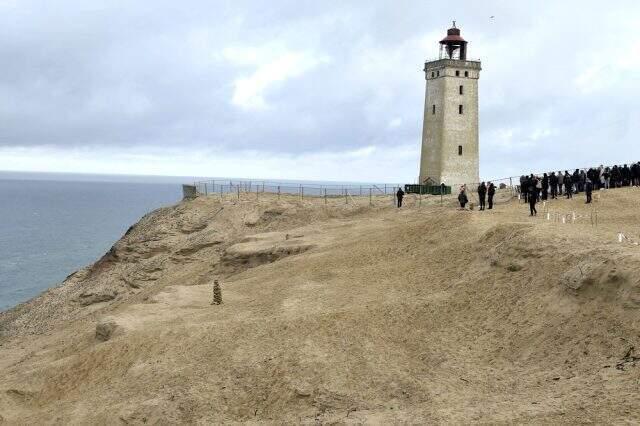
point(217, 293)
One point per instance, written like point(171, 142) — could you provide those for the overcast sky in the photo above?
point(325, 90)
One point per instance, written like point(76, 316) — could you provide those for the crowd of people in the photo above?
point(552, 185)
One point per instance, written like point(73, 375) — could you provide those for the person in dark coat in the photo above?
point(482, 195)
point(595, 177)
point(568, 185)
point(399, 196)
point(491, 191)
point(553, 183)
point(626, 175)
point(462, 197)
point(575, 179)
point(635, 174)
point(533, 191)
point(545, 186)
point(523, 187)
point(616, 177)
point(588, 189)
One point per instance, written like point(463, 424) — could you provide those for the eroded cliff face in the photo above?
point(338, 314)
point(187, 244)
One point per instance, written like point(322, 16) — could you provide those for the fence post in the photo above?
point(325, 196)
point(420, 199)
point(278, 192)
point(257, 191)
point(370, 201)
point(221, 192)
point(238, 191)
point(346, 200)
point(302, 191)
point(205, 188)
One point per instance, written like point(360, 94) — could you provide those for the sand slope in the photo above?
point(340, 314)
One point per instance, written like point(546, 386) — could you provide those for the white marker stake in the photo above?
point(548, 216)
point(564, 219)
point(620, 235)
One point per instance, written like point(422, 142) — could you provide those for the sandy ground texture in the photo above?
point(343, 313)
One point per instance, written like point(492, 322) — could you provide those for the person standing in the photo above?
point(568, 185)
point(606, 178)
point(545, 187)
point(626, 175)
point(583, 179)
point(616, 177)
point(533, 192)
point(635, 174)
point(588, 189)
point(523, 188)
point(560, 182)
point(482, 195)
point(553, 182)
point(399, 196)
point(536, 182)
point(491, 191)
point(575, 180)
point(462, 197)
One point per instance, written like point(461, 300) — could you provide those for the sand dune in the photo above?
point(343, 313)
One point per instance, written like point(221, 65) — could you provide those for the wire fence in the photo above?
point(347, 193)
point(303, 189)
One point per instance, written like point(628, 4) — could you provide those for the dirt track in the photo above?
point(344, 314)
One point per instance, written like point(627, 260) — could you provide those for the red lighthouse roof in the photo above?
point(453, 36)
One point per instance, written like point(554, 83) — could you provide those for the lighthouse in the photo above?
point(450, 145)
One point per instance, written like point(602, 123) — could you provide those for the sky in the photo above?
point(330, 90)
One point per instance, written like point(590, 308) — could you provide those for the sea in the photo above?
point(54, 224)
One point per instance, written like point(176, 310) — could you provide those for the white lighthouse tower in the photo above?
point(450, 153)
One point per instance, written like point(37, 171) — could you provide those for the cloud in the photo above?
point(395, 122)
point(272, 65)
point(293, 81)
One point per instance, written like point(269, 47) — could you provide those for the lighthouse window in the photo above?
point(433, 74)
point(459, 149)
point(457, 73)
point(438, 73)
point(459, 109)
point(466, 73)
point(433, 109)
point(461, 89)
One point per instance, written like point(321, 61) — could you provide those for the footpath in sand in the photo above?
point(342, 314)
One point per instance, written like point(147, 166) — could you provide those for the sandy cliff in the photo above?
point(340, 314)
